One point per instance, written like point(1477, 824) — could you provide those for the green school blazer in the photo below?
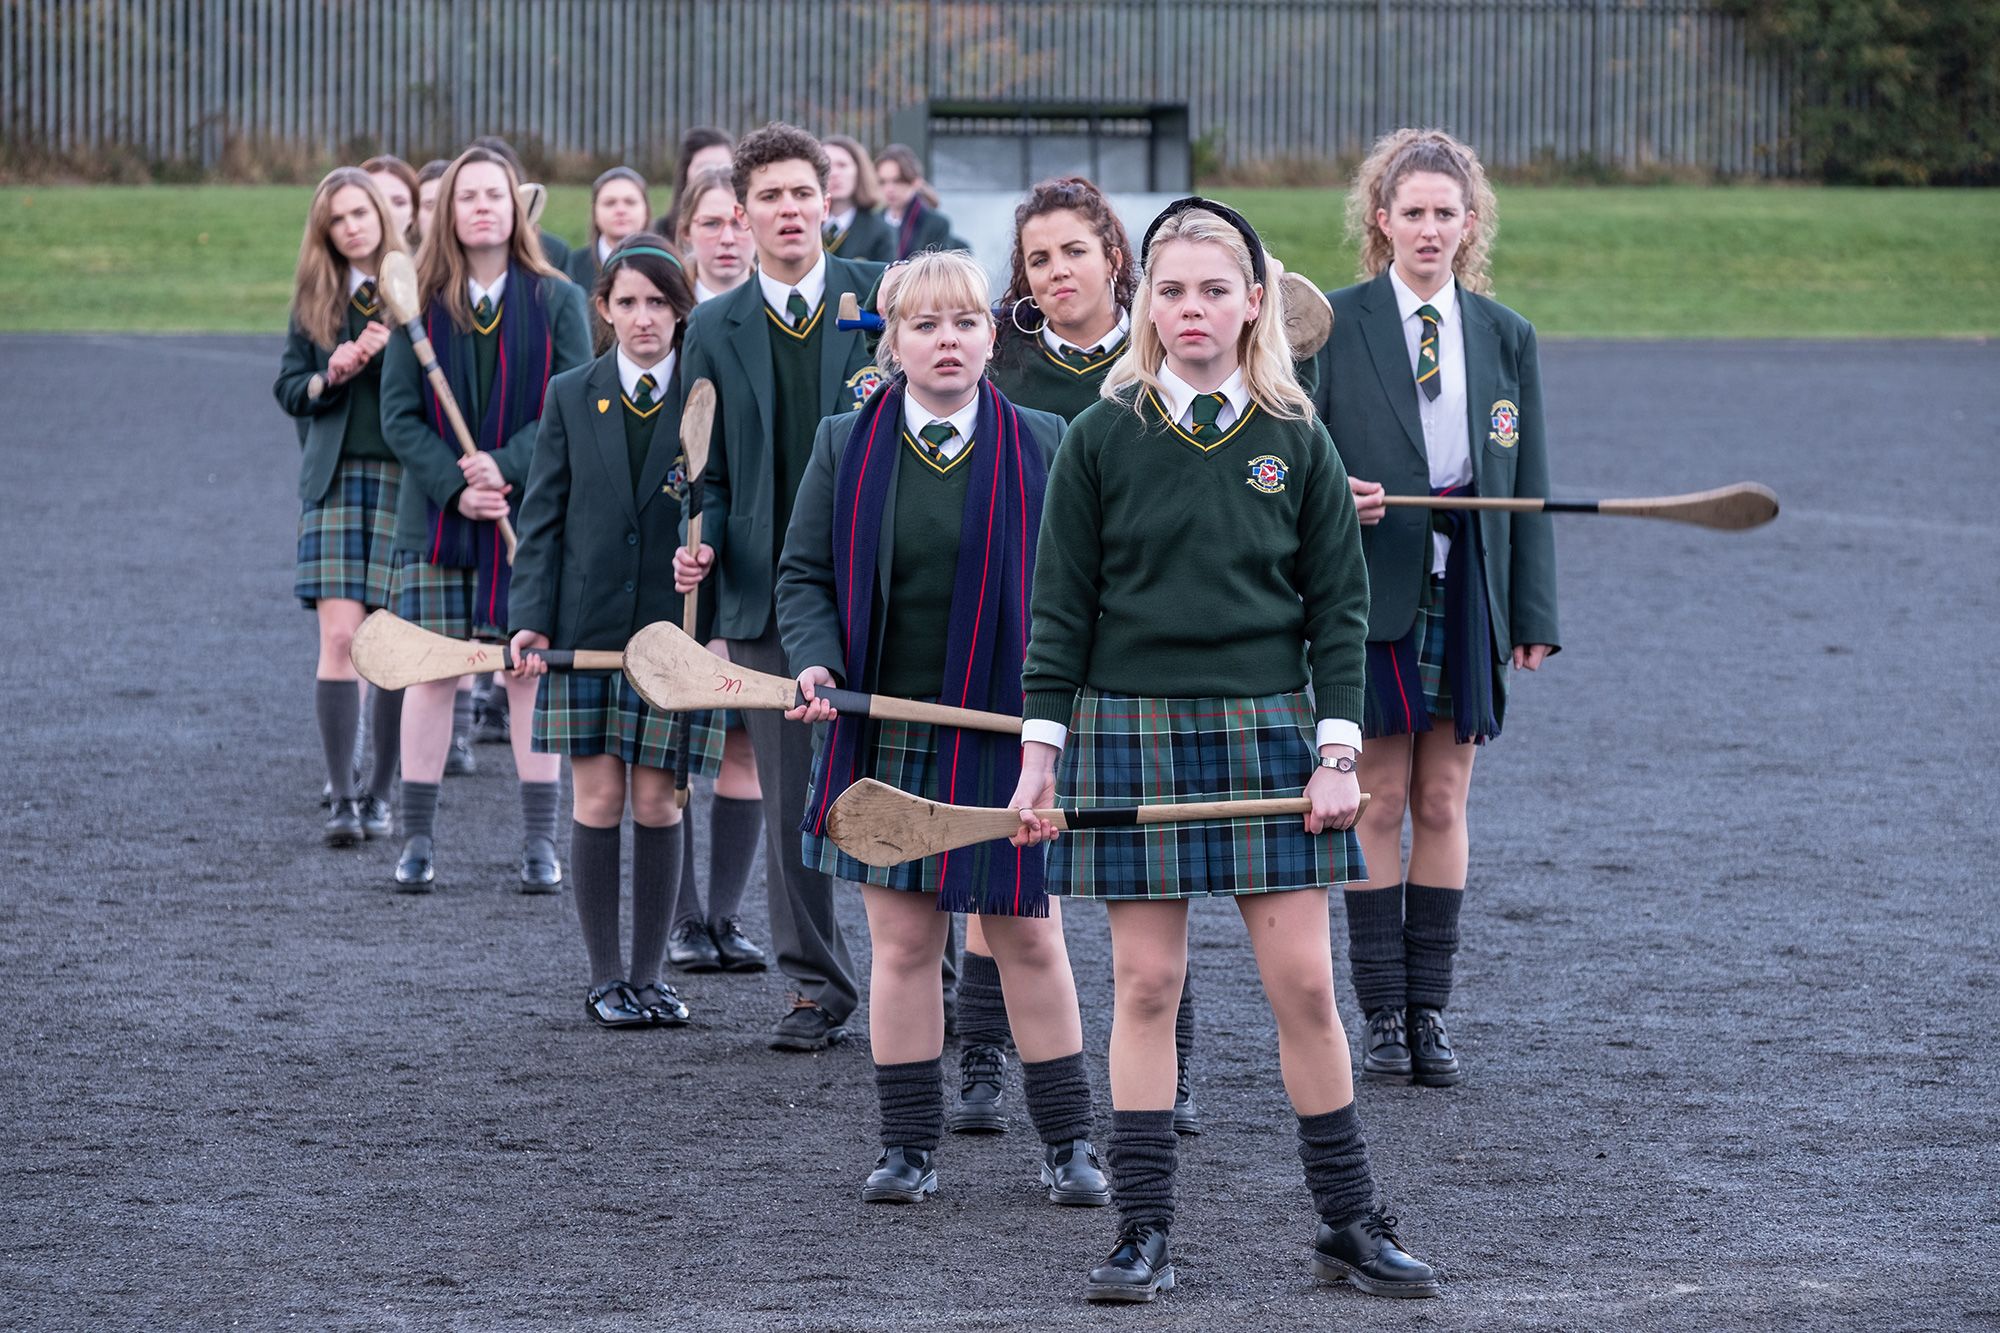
point(596, 553)
point(581, 267)
point(868, 238)
point(1367, 395)
point(808, 618)
point(430, 462)
point(728, 342)
point(322, 422)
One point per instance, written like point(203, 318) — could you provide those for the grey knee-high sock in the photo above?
point(538, 810)
point(1430, 938)
point(686, 903)
point(656, 874)
point(1336, 1162)
point(1058, 1094)
point(385, 740)
point(735, 829)
point(1184, 1021)
point(461, 715)
point(420, 808)
point(1375, 946)
point(982, 1005)
point(338, 704)
point(912, 1101)
point(593, 856)
point(1143, 1156)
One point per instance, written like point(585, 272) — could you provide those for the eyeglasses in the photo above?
point(713, 227)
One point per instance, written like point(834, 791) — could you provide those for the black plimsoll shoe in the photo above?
point(901, 1175)
point(1364, 1251)
point(1433, 1063)
point(1138, 1269)
point(807, 1027)
point(692, 949)
point(1388, 1045)
point(615, 1006)
point(459, 760)
point(1074, 1176)
point(540, 872)
point(661, 1004)
point(343, 823)
point(982, 1071)
point(1187, 1120)
point(737, 951)
point(376, 821)
point(415, 872)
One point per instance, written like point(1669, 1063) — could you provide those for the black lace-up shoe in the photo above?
point(1187, 1120)
point(901, 1175)
point(1432, 1060)
point(692, 949)
point(1074, 1175)
point(1388, 1045)
point(415, 871)
point(807, 1027)
point(736, 951)
point(1138, 1269)
point(982, 1071)
point(376, 820)
point(1365, 1252)
point(343, 823)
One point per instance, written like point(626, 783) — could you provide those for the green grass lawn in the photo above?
point(1738, 261)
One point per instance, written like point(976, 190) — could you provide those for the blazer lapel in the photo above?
point(604, 405)
point(835, 345)
point(665, 449)
point(1482, 388)
point(1382, 329)
point(751, 339)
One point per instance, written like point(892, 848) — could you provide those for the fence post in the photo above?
point(1382, 119)
point(1597, 82)
point(461, 74)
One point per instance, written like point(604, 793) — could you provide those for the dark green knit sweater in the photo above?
point(930, 511)
point(1030, 375)
point(1171, 570)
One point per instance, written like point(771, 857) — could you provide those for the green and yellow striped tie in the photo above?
point(935, 437)
point(1207, 408)
point(1428, 378)
point(796, 309)
point(364, 299)
point(644, 400)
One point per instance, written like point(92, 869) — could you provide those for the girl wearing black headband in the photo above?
point(598, 533)
point(1199, 611)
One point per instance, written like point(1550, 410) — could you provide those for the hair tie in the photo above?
point(1223, 211)
point(630, 251)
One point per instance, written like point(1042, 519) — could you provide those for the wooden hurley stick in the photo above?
point(880, 825)
point(1308, 317)
point(391, 653)
point(1727, 508)
point(398, 285)
point(676, 675)
point(697, 422)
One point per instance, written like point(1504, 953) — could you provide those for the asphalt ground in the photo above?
point(1729, 971)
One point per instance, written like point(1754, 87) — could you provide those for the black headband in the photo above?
point(1223, 211)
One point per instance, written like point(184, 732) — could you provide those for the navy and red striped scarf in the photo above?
point(986, 640)
point(906, 233)
point(520, 377)
point(1468, 641)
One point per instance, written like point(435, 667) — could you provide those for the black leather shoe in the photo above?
point(736, 950)
point(1187, 1120)
point(1433, 1063)
point(901, 1175)
point(1139, 1267)
point(807, 1028)
point(661, 1004)
point(414, 872)
point(1388, 1050)
point(1074, 1176)
point(982, 1071)
point(615, 1006)
point(540, 872)
point(1366, 1253)
point(692, 949)
point(459, 760)
point(490, 720)
point(376, 821)
point(343, 824)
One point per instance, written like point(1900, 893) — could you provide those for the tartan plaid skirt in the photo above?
point(440, 598)
point(900, 754)
point(347, 536)
point(1129, 750)
point(1389, 708)
point(586, 713)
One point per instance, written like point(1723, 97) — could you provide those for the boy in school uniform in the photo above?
point(779, 366)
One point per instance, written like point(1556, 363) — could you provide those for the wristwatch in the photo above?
point(1339, 763)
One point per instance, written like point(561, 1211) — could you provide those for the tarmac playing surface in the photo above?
point(1729, 973)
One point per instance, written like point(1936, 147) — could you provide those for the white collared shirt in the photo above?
point(1180, 396)
point(1447, 429)
point(702, 293)
point(1056, 342)
point(355, 277)
point(917, 415)
point(839, 222)
point(603, 252)
point(629, 372)
point(812, 286)
point(493, 293)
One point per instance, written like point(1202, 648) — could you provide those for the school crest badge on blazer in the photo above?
point(603, 406)
point(1267, 474)
point(1506, 430)
point(862, 383)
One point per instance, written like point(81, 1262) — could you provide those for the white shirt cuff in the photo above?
point(1054, 733)
point(1335, 731)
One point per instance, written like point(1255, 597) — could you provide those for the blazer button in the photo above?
point(628, 585)
point(631, 539)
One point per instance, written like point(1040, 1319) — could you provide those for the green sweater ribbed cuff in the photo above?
point(1339, 701)
point(1048, 706)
